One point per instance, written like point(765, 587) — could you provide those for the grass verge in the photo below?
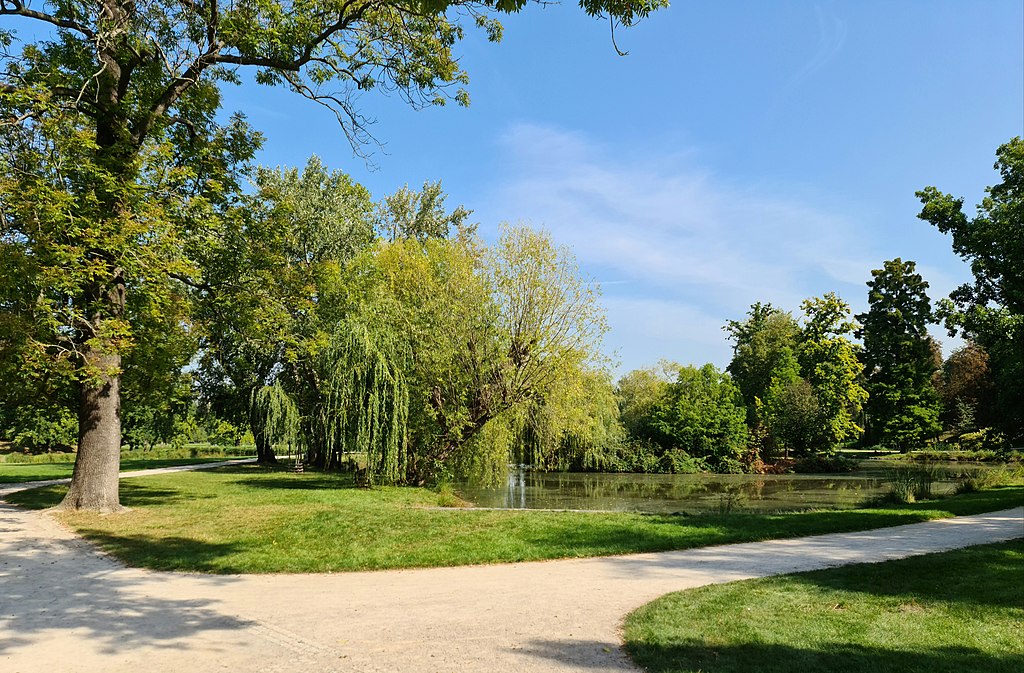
point(253, 520)
point(940, 613)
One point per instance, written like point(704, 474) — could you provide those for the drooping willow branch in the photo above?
point(274, 415)
point(356, 400)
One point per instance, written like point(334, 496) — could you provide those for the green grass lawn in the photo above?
point(22, 472)
point(250, 519)
point(941, 613)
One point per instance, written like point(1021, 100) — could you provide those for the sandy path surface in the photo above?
point(66, 607)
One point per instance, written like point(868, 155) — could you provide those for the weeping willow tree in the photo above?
point(354, 400)
point(574, 425)
point(492, 330)
point(274, 418)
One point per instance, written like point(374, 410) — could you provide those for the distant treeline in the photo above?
point(388, 337)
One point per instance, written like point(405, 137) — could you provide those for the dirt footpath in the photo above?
point(65, 607)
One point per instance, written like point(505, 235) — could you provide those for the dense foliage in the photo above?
point(158, 288)
point(115, 165)
point(991, 310)
point(799, 380)
point(703, 415)
point(899, 357)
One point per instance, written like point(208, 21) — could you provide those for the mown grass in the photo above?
point(23, 472)
point(941, 613)
point(253, 520)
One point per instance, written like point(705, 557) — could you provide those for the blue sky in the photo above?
point(741, 152)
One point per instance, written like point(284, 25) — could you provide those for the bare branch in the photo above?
point(353, 125)
point(615, 45)
point(191, 282)
point(14, 121)
point(17, 8)
point(175, 90)
point(189, 126)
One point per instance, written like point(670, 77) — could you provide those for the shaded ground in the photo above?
point(64, 606)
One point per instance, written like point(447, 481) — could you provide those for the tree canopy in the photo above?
point(702, 413)
point(829, 362)
point(114, 161)
point(899, 357)
point(991, 310)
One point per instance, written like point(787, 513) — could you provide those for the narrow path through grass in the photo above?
point(18, 473)
point(248, 519)
point(941, 613)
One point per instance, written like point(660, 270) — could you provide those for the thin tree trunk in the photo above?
point(264, 450)
point(94, 486)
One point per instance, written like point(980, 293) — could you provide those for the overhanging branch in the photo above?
point(16, 8)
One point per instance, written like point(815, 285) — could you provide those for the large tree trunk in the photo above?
point(94, 486)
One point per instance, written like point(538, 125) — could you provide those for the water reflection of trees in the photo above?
point(663, 492)
point(602, 486)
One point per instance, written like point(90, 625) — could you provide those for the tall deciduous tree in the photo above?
point(991, 310)
point(421, 215)
point(764, 367)
point(263, 276)
point(829, 363)
point(491, 331)
point(967, 390)
point(96, 113)
point(99, 252)
point(898, 356)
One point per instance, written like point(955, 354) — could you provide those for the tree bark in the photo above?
point(94, 485)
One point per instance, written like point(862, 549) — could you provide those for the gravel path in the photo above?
point(66, 607)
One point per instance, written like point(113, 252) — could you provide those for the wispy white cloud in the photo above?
point(687, 249)
point(831, 37)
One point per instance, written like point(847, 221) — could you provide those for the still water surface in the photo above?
point(662, 493)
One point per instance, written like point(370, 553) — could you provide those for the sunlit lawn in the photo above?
point(941, 613)
point(249, 519)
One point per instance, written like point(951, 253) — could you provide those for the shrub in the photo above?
point(974, 441)
point(677, 461)
point(824, 464)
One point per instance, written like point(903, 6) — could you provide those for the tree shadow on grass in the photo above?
point(694, 656)
point(139, 493)
point(848, 658)
point(133, 493)
point(304, 482)
point(165, 553)
point(989, 575)
point(52, 586)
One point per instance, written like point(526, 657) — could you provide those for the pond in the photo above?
point(691, 493)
